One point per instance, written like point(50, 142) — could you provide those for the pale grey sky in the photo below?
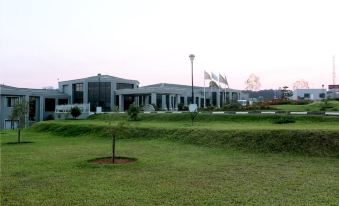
point(150, 40)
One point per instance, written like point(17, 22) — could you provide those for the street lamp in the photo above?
point(99, 75)
point(192, 58)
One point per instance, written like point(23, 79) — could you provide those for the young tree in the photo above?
point(19, 112)
point(75, 112)
point(133, 112)
point(115, 132)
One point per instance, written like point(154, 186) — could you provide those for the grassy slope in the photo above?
point(313, 107)
point(314, 135)
point(218, 122)
point(54, 171)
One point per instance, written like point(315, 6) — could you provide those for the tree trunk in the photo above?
point(113, 148)
point(18, 135)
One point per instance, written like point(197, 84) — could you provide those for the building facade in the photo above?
point(167, 97)
point(41, 102)
point(111, 94)
point(333, 91)
point(98, 91)
point(309, 94)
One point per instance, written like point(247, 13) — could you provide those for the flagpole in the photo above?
point(204, 92)
point(219, 91)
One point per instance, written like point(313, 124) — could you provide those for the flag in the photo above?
point(207, 76)
point(226, 82)
point(214, 77)
point(223, 79)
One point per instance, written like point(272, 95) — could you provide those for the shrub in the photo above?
point(133, 112)
point(232, 106)
point(182, 107)
point(156, 108)
point(75, 112)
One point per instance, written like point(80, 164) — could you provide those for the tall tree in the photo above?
point(285, 93)
point(19, 112)
point(213, 84)
point(253, 83)
point(301, 84)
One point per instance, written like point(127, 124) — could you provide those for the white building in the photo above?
point(309, 94)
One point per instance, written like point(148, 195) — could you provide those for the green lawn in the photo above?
point(312, 107)
point(54, 170)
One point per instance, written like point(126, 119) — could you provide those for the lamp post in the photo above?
point(192, 58)
point(98, 105)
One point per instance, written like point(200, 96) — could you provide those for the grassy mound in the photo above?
point(312, 107)
point(206, 117)
point(306, 142)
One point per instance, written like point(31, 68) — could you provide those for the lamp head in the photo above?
point(192, 57)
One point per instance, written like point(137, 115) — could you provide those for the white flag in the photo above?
point(214, 77)
point(226, 82)
point(223, 79)
point(207, 76)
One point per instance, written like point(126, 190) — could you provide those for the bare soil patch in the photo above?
point(117, 160)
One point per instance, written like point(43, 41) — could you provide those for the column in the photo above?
point(147, 100)
point(178, 101)
point(154, 98)
point(185, 101)
point(170, 102)
point(218, 99)
point(41, 111)
point(136, 99)
point(85, 93)
point(199, 102)
point(163, 102)
point(121, 103)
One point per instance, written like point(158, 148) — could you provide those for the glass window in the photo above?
point(78, 93)
point(124, 86)
point(307, 95)
point(49, 105)
point(32, 108)
point(99, 96)
point(322, 95)
point(11, 101)
point(62, 101)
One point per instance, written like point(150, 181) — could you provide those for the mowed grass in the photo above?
point(54, 170)
point(312, 107)
point(214, 121)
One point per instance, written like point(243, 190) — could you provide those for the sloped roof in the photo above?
point(9, 90)
point(101, 77)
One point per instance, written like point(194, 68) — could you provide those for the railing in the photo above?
point(85, 108)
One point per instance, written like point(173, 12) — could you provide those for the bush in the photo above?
point(182, 107)
point(156, 108)
point(234, 106)
point(75, 112)
point(133, 112)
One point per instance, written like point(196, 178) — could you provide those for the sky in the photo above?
point(281, 41)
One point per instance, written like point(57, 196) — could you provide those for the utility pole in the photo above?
point(333, 74)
